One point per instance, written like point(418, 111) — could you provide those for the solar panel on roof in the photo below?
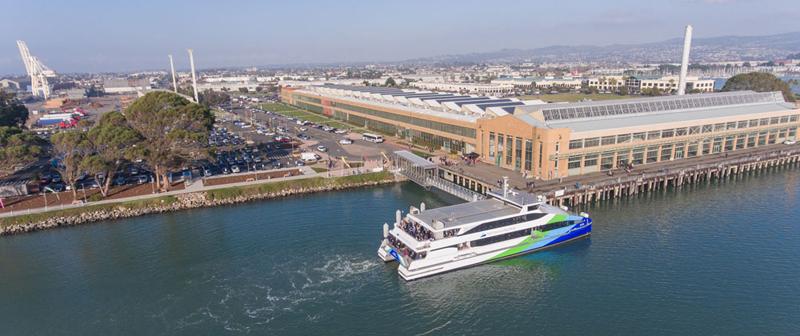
point(659, 104)
point(488, 105)
point(461, 98)
point(475, 101)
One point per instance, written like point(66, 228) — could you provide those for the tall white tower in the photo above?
point(687, 44)
point(174, 81)
point(37, 71)
point(194, 77)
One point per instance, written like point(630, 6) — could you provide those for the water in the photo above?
point(719, 260)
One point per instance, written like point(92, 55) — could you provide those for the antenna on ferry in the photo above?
point(397, 217)
point(422, 206)
point(385, 230)
point(505, 186)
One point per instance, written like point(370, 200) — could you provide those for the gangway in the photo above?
point(426, 173)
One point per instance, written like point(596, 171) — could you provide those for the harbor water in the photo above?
point(716, 259)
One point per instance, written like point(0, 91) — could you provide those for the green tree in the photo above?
point(18, 147)
point(390, 82)
point(174, 131)
point(213, 98)
point(113, 142)
point(243, 90)
point(71, 148)
point(12, 113)
point(759, 82)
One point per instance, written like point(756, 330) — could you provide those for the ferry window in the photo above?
point(505, 222)
point(608, 140)
point(639, 136)
point(708, 128)
point(653, 135)
point(533, 207)
point(576, 144)
point(730, 125)
point(774, 120)
point(784, 119)
point(743, 124)
point(753, 123)
point(719, 127)
point(591, 142)
point(680, 131)
point(763, 121)
point(793, 118)
point(694, 130)
point(623, 138)
point(667, 133)
point(503, 237)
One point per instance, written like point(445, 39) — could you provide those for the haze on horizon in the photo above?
point(107, 36)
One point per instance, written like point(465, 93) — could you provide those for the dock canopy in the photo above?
point(414, 160)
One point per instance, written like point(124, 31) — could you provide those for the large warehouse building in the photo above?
point(558, 140)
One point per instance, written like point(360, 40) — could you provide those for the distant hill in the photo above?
point(723, 48)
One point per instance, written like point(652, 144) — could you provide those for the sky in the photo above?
point(128, 35)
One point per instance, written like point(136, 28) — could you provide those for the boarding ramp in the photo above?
point(426, 173)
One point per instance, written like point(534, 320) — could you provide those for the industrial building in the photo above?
point(557, 140)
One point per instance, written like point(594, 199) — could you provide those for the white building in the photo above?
point(470, 88)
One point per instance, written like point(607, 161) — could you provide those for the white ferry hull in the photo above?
point(416, 269)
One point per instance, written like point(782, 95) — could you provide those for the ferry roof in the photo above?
point(466, 213)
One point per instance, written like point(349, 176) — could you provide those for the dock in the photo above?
point(465, 181)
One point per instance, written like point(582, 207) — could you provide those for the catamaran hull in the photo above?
point(526, 246)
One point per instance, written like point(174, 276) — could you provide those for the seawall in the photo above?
point(204, 199)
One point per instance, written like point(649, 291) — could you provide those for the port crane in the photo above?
point(37, 71)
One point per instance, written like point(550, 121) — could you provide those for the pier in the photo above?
point(601, 186)
point(647, 179)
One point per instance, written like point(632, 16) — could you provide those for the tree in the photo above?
point(213, 98)
point(243, 90)
point(623, 90)
point(174, 131)
point(390, 82)
point(70, 148)
point(759, 82)
point(18, 147)
point(12, 113)
point(113, 142)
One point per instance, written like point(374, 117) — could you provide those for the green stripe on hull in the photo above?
point(522, 246)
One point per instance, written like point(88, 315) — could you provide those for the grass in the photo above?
point(319, 169)
point(573, 97)
point(316, 182)
point(291, 111)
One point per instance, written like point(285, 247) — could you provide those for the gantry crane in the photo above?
point(37, 71)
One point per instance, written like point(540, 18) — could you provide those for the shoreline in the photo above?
point(195, 200)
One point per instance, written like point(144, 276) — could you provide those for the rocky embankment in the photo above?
point(180, 202)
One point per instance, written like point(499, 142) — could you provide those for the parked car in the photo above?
point(322, 148)
point(789, 142)
point(345, 142)
point(341, 131)
point(235, 169)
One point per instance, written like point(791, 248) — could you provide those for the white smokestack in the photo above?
point(174, 81)
point(687, 44)
point(194, 76)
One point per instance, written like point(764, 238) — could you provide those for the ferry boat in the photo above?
point(505, 225)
